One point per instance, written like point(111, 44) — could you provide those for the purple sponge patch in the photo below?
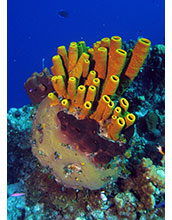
point(86, 134)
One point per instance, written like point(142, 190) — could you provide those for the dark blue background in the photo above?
point(35, 31)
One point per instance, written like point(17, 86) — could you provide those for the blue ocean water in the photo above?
point(36, 29)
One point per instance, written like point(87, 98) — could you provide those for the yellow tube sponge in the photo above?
point(96, 45)
point(117, 111)
point(59, 85)
point(53, 99)
point(91, 94)
point(83, 45)
point(111, 86)
point(124, 104)
point(115, 43)
point(85, 111)
point(129, 119)
point(108, 110)
point(81, 90)
point(91, 52)
point(115, 128)
point(73, 55)
point(65, 103)
point(118, 59)
point(96, 83)
point(53, 70)
point(91, 76)
point(101, 62)
point(78, 69)
point(103, 102)
point(86, 65)
point(63, 53)
point(113, 119)
point(105, 42)
point(71, 88)
point(58, 69)
point(81, 124)
point(139, 55)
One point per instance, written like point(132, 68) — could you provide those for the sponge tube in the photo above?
point(63, 53)
point(124, 104)
point(130, 119)
point(80, 95)
point(71, 89)
point(117, 63)
point(111, 86)
point(139, 55)
point(115, 128)
point(53, 99)
point(91, 94)
point(101, 62)
point(85, 111)
point(103, 102)
point(108, 110)
point(65, 103)
point(73, 55)
point(58, 69)
point(59, 85)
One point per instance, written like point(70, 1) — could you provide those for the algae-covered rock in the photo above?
point(151, 121)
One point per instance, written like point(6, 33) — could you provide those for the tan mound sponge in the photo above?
point(70, 148)
point(77, 128)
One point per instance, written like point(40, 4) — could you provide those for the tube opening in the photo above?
point(102, 49)
point(144, 40)
point(92, 87)
point(64, 102)
point(124, 101)
point(121, 51)
point(111, 104)
point(81, 87)
point(96, 80)
point(116, 38)
point(114, 117)
point(92, 72)
point(121, 121)
point(130, 117)
point(115, 78)
point(87, 104)
point(72, 78)
point(73, 43)
point(117, 109)
point(106, 98)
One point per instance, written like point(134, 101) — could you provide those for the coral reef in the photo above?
point(19, 127)
point(148, 181)
point(77, 128)
point(136, 188)
point(45, 198)
point(125, 204)
point(19, 154)
point(155, 68)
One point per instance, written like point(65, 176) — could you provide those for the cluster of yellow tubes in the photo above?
point(87, 77)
